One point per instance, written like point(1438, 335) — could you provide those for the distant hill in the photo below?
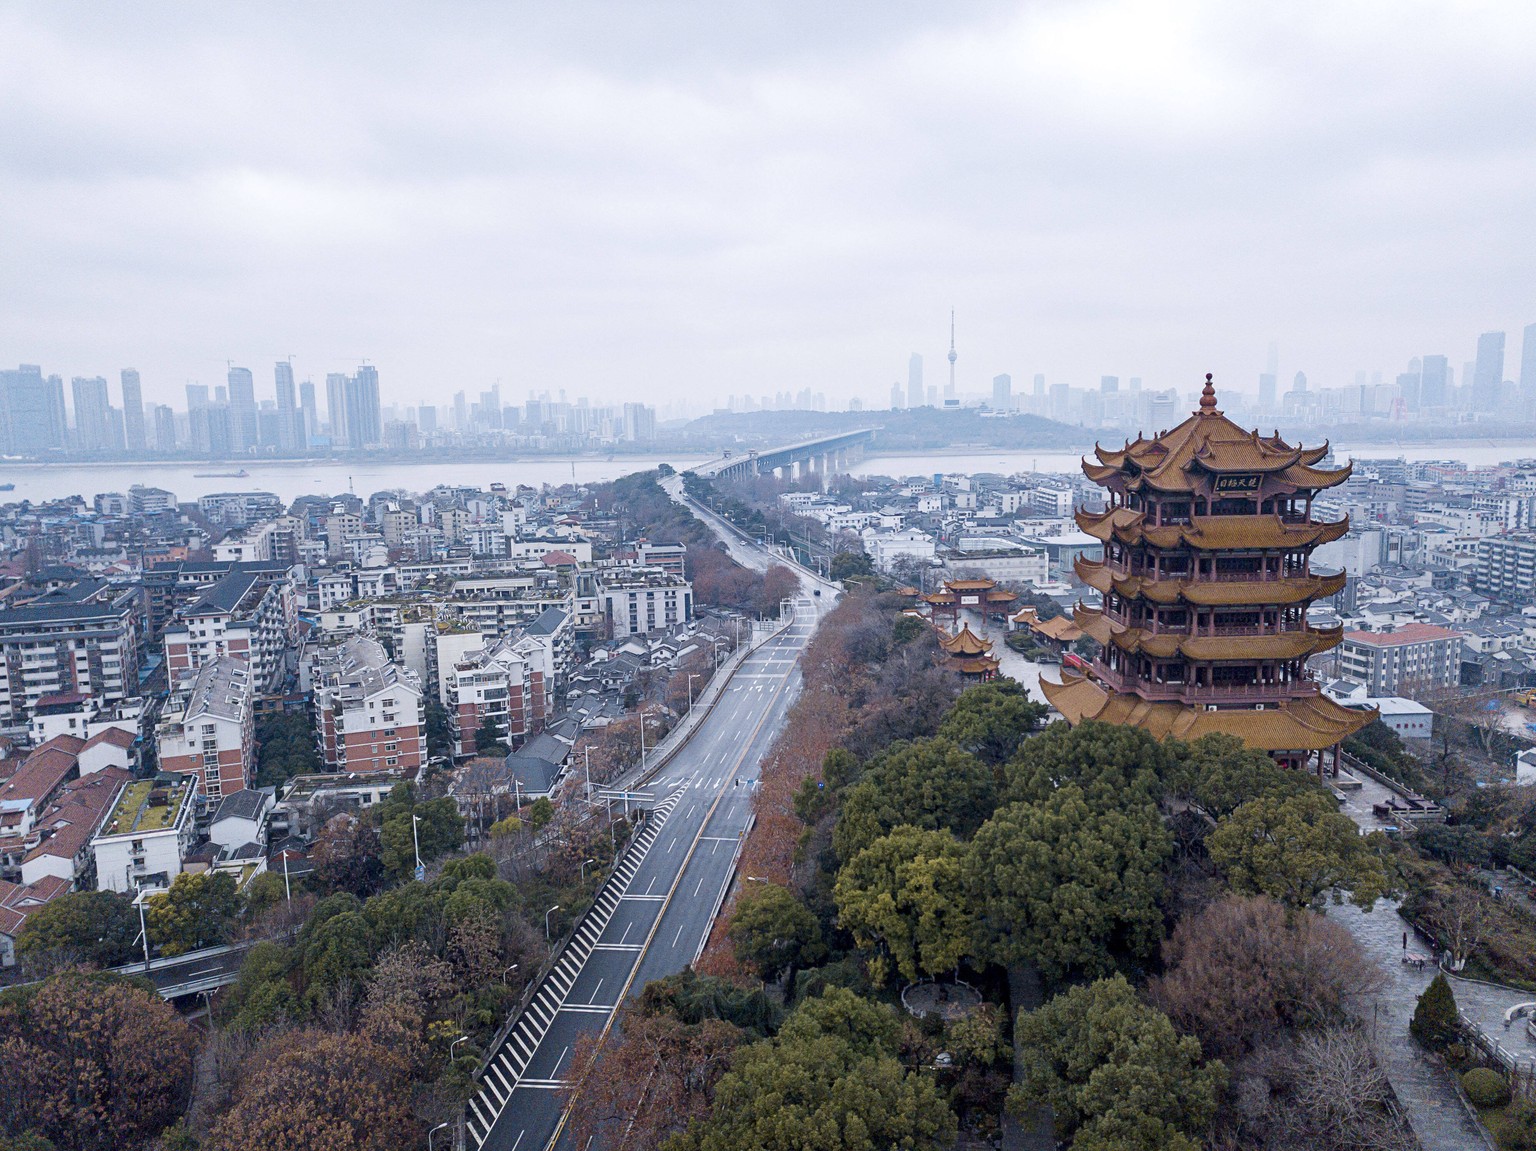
point(919, 429)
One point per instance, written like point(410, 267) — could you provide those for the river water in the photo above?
point(290, 479)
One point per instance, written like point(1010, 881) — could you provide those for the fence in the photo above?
point(1521, 1073)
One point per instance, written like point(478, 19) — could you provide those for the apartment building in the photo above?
point(368, 710)
point(494, 684)
point(639, 600)
point(150, 830)
point(208, 727)
point(246, 614)
point(1413, 657)
point(1506, 567)
point(55, 647)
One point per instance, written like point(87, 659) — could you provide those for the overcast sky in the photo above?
point(684, 201)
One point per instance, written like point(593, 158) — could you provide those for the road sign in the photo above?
point(421, 872)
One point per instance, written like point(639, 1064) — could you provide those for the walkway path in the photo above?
point(1423, 1087)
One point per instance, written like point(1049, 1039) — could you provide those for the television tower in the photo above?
point(949, 393)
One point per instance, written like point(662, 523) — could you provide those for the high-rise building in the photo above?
point(949, 390)
point(1409, 385)
point(309, 411)
point(336, 407)
point(165, 428)
point(1002, 392)
point(1109, 384)
point(197, 396)
point(916, 397)
point(93, 413)
point(897, 395)
point(365, 426)
point(1488, 372)
point(290, 430)
point(133, 411)
point(1299, 384)
point(1268, 386)
point(31, 410)
point(1434, 382)
point(639, 423)
point(244, 429)
point(1528, 368)
point(426, 419)
point(460, 412)
point(1040, 384)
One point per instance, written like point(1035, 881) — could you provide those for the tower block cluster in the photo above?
point(1206, 579)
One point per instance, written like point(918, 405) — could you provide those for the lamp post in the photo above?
point(547, 914)
point(434, 1131)
point(416, 845)
point(584, 869)
point(691, 678)
point(511, 967)
point(454, 1046)
point(588, 770)
point(143, 931)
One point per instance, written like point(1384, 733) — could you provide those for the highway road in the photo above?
point(659, 923)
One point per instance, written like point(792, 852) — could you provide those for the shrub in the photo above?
point(1485, 1087)
point(1434, 1022)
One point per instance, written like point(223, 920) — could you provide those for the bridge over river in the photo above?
point(824, 456)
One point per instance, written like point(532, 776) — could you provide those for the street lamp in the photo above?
point(547, 914)
point(511, 967)
point(416, 845)
point(584, 869)
point(691, 678)
point(643, 714)
point(452, 1047)
point(434, 1131)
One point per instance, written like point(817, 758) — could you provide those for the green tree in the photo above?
point(286, 747)
point(846, 565)
point(488, 738)
point(1221, 774)
point(439, 730)
point(932, 784)
point(1068, 885)
point(990, 720)
point(336, 953)
point(540, 812)
point(906, 629)
point(198, 911)
point(829, 1081)
point(263, 994)
point(905, 896)
point(773, 931)
point(1295, 848)
point(92, 927)
point(1434, 1023)
point(1107, 761)
point(439, 829)
point(1114, 1072)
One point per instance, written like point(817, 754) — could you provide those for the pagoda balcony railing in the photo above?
point(1199, 693)
point(1186, 631)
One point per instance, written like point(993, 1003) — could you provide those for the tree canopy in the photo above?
point(773, 931)
point(91, 927)
point(1296, 848)
point(992, 719)
point(198, 910)
point(829, 1081)
point(931, 783)
point(1106, 761)
point(93, 1062)
point(905, 896)
point(1114, 1072)
point(1067, 884)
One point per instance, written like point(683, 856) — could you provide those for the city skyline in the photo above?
point(652, 204)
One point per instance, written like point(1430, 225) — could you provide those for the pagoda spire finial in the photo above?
point(1208, 396)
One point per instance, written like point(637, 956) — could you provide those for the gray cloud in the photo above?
point(687, 200)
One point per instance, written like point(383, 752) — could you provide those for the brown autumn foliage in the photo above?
point(856, 692)
point(317, 1091)
point(1246, 969)
point(657, 1074)
point(92, 1063)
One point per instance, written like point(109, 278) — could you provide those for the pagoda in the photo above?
point(969, 654)
point(1206, 579)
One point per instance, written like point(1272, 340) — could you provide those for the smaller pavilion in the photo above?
point(969, 654)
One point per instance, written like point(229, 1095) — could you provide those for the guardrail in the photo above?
point(514, 1046)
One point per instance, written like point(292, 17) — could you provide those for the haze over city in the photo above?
point(680, 204)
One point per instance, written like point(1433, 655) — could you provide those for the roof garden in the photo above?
point(147, 805)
